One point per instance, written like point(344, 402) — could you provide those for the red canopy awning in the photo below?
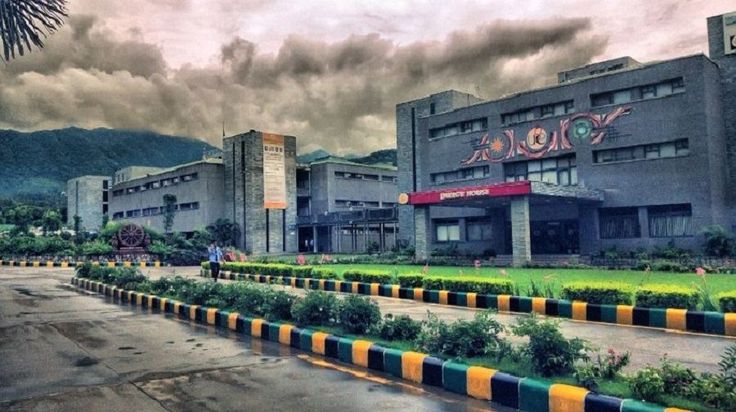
point(469, 193)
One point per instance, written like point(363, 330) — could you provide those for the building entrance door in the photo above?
point(555, 237)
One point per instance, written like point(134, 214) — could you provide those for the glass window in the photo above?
point(670, 220)
point(548, 110)
point(619, 223)
point(569, 107)
point(678, 85)
point(479, 231)
point(651, 151)
point(448, 232)
point(602, 99)
point(667, 150)
point(682, 148)
point(549, 176)
point(647, 92)
point(622, 96)
point(664, 89)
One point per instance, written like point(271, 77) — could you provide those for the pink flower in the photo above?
point(301, 260)
point(477, 263)
point(699, 271)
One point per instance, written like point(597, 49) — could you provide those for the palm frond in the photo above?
point(26, 23)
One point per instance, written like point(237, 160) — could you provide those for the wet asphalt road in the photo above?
point(62, 349)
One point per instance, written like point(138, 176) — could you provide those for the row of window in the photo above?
point(154, 211)
point(477, 172)
point(361, 203)
point(561, 170)
point(538, 112)
point(470, 126)
point(365, 176)
point(156, 184)
point(474, 231)
point(664, 221)
point(632, 94)
point(675, 148)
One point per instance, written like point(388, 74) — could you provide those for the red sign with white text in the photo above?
point(473, 192)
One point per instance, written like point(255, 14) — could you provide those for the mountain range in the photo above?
point(37, 164)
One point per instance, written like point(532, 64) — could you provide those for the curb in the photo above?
point(525, 394)
point(711, 323)
point(53, 264)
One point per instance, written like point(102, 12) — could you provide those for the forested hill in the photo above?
point(41, 162)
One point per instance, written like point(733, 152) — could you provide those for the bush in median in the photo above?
point(727, 301)
point(410, 281)
point(608, 293)
point(367, 276)
point(315, 308)
point(483, 286)
point(666, 296)
point(358, 314)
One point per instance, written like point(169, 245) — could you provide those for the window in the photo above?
point(479, 231)
point(448, 232)
point(619, 223)
point(189, 177)
point(432, 108)
point(622, 96)
point(189, 206)
point(133, 213)
point(105, 184)
point(370, 177)
point(371, 204)
point(118, 192)
point(548, 110)
point(678, 85)
point(104, 196)
point(453, 129)
point(602, 99)
point(682, 147)
point(647, 92)
point(670, 220)
point(104, 209)
point(477, 172)
point(388, 178)
point(561, 170)
point(117, 215)
point(155, 185)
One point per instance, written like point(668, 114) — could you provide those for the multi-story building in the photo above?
point(88, 198)
point(617, 154)
point(197, 186)
point(347, 207)
point(134, 172)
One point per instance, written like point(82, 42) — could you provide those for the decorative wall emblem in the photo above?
point(574, 130)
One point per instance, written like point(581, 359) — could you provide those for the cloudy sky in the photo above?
point(328, 72)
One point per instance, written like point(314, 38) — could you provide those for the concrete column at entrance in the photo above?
point(521, 244)
point(314, 239)
point(421, 233)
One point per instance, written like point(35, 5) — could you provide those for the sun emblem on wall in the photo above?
point(497, 145)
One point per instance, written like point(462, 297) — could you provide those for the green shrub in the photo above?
point(315, 308)
point(727, 301)
point(462, 338)
point(200, 292)
point(548, 351)
point(718, 241)
point(324, 273)
point(647, 384)
point(358, 314)
point(401, 327)
point(410, 281)
point(669, 266)
point(366, 276)
point(677, 378)
point(278, 304)
point(666, 296)
point(483, 286)
point(602, 293)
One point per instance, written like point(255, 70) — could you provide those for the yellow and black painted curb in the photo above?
point(525, 394)
point(55, 264)
point(712, 323)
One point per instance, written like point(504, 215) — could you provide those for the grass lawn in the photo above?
point(523, 276)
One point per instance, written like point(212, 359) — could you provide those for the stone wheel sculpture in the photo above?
point(131, 236)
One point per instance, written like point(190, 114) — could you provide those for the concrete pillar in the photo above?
point(314, 239)
point(422, 234)
point(521, 244)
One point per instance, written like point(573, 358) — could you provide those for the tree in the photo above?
point(24, 22)
point(77, 229)
point(718, 241)
point(224, 231)
point(169, 211)
point(51, 221)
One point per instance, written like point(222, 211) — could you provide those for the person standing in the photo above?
point(215, 257)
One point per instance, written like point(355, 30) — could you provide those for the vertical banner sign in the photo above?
point(274, 172)
point(729, 33)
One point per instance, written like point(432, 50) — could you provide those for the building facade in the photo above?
point(134, 172)
point(198, 187)
point(88, 198)
point(617, 154)
point(347, 207)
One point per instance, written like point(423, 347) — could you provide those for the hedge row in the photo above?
point(271, 269)
point(648, 296)
point(367, 276)
point(453, 284)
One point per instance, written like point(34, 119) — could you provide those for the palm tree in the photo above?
point(24, 22)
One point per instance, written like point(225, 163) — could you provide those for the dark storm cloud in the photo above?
point(339, 95)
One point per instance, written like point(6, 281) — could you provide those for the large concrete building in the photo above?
point(347, 207)
point(198, 187)
point(617, 154)
point(88, 198)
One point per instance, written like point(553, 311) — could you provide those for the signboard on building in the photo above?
point(274, 172)
point(729, 33)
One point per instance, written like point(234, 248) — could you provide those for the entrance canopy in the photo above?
point(472, 195)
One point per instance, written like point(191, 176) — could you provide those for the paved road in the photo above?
point(61, 350)
point(646, 345)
